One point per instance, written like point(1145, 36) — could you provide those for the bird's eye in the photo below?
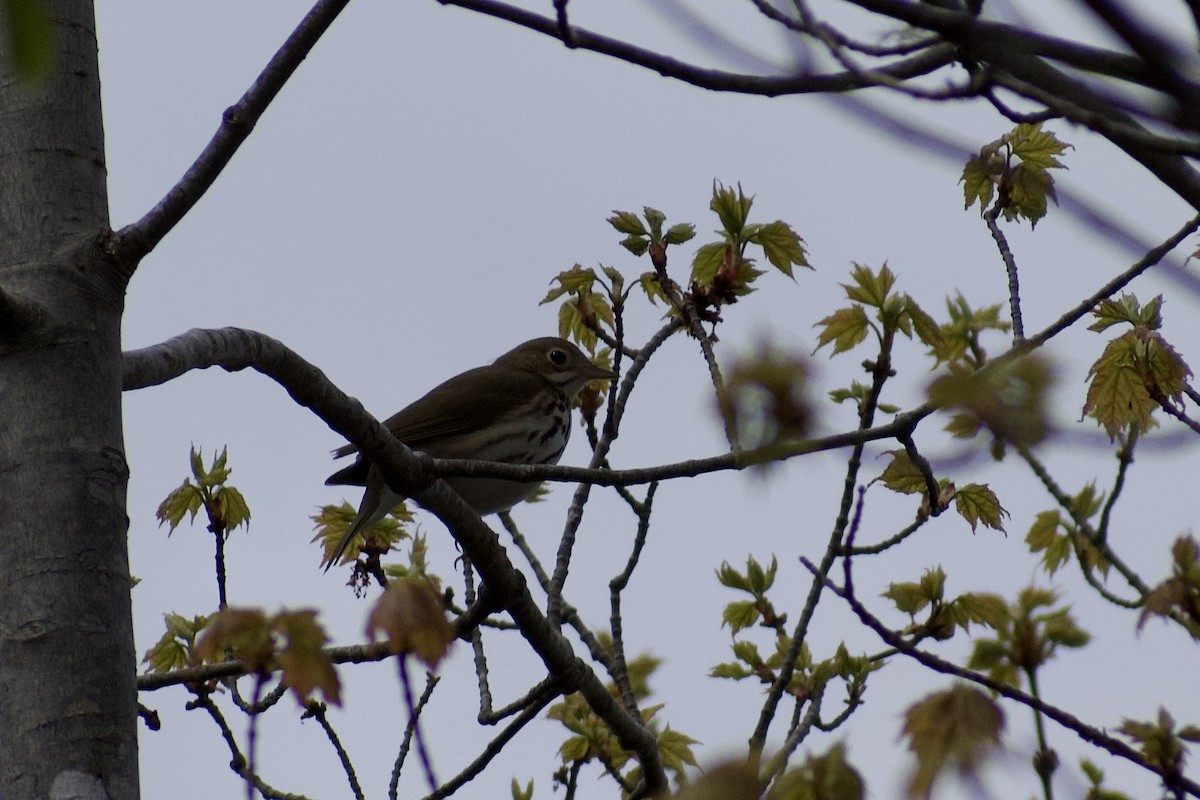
point(558, 356)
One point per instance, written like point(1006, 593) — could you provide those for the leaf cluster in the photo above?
point(1179, 594)
point(1028, 636)
point(807, 675)
point(1161, 743)
point(974, 502)
point(174, 648)
point(943, 616)
point(224, 505)
point(890, 313)
point(721, 270)
point(291, 642)
point(1015, 169)
point(1057, 535)
point(591, 739)
point(1137, 371)
point(331, 522)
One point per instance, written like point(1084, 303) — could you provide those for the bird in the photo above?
point(516, 410)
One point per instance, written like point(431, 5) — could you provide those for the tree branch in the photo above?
point(133, 242)
point(718, 80)
point(412, 475)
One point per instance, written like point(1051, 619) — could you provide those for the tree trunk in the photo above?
point(68, 710)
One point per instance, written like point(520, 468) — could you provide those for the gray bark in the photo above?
point(68, 709)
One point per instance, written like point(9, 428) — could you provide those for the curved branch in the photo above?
point(133, 242)
point(235, 348)
point(412, 475)
point(924, 63)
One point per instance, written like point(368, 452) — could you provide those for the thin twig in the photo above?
point(620, 669)
point(1178, 413)
point(413, 729)
point(481, 668)
point(317, 711)
point(615, 412)
point(891, 541)
point(1010, 265)
point(880, 372)
point(493, 747)
point(1113, 286)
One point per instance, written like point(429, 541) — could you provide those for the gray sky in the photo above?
point(396, 217)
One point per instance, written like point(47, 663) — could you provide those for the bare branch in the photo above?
point(1154, 256)
point(494, 747)
point(134, 241)
point(771, 86)
point(1010, 266)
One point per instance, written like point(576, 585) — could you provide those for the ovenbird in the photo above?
point(516, 410)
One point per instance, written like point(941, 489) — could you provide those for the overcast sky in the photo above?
point(396, 217)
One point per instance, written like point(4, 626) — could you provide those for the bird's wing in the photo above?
point(447, 411)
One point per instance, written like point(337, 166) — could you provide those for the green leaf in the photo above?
point(1117, 396)
point(1037, 147)
point(1126, 309)
point(870, 288)
point(732, 208)
point(981, 608)
point(653, 288)
point(1087, 502)
point(656, 219)
point(628, 223)
point(1044, 537)
point(845, 327)
point(781, 245)
point(678, 234)
point(952, 729)
point(902, 475)
point(760, 580)
point(976, 503)
point(926, 328)
point(933, 583)
point(708, 260)
point(519, 793)
point(676, 749)
point(731, 670)
point(1030, 190)
point(574, 281)
point(1163, 369)
point(186, 499)
point(740, 615)
point(908, 597)
point(233, 508)
point(637, 245)
point(979, 178)
point(728, 576)
point(747, 652)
